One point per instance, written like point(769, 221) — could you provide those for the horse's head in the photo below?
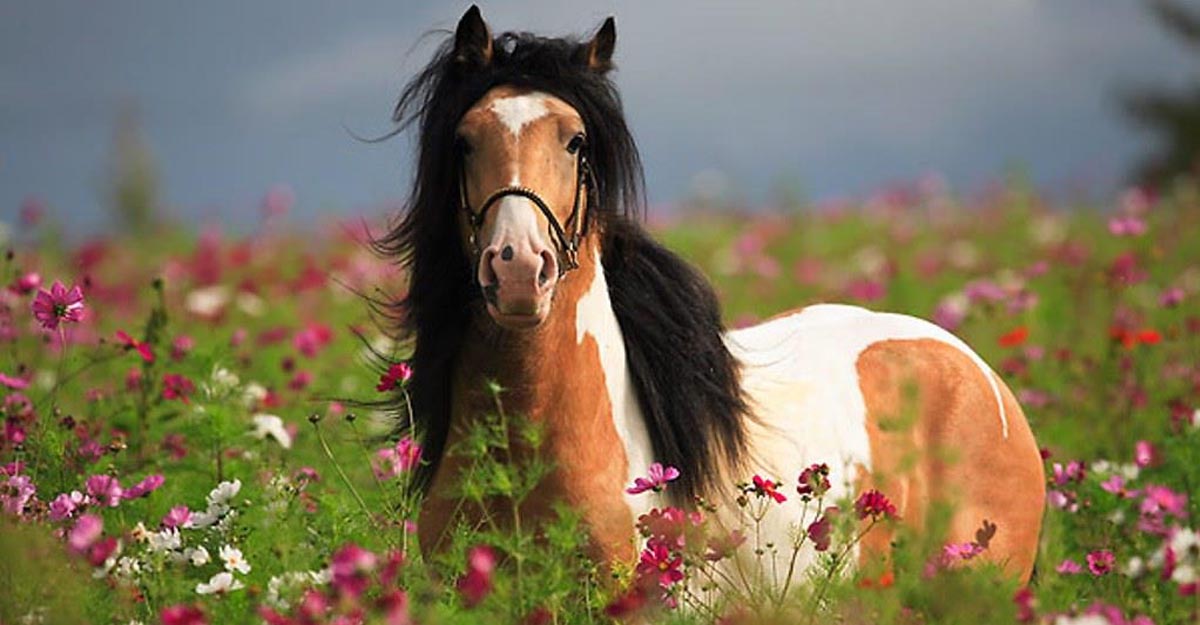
point(525, 185)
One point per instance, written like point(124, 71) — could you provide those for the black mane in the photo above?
point(686, 380)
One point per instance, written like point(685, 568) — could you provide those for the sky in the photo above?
point(832, 97)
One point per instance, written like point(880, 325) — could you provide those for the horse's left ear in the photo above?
point(600, 49)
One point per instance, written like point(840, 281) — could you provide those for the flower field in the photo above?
point(193, 433)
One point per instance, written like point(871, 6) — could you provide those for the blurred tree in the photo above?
point(133, 196)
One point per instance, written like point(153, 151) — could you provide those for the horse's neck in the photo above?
point(570, 376)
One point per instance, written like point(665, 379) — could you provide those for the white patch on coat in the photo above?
point(594, 317)
point(517, 111)
point(800, 374)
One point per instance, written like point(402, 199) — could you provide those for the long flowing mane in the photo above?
point(686, 379)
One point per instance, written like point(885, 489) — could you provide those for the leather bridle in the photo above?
point(567, 244)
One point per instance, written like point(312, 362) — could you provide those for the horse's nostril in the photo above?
point(507, 253)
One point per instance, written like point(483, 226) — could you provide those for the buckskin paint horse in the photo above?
point(527, 267)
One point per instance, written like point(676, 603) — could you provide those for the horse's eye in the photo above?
point(575, 144)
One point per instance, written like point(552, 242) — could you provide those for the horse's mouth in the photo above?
point(520, 313)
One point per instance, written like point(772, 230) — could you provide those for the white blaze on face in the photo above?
point(517, 111)
point(516, 224)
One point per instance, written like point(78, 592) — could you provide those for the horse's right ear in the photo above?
point(472, 40)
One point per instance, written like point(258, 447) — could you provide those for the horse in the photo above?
point(528, 267)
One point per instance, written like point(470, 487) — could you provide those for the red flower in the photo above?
point(58, 305)
point(814, 482)
point(874, 504)
point(821, 530)
point(766, 488)
point(659, 563)
point(182, 615)
point(350, 568)
point(176, 386)
point(1025, 605)
point(396, 375)
point(131, 343)
point(1014, 337)
point(477, 583)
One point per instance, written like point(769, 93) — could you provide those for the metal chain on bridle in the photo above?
point(567, 244)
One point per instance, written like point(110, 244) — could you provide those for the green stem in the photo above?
point(337, 467)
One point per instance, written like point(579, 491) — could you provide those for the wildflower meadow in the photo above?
point(195, 427)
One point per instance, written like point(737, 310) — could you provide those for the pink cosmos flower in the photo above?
point(312, 338)
point(393, 461)
point(1128, 226)
point(182, 346)
point(1144, 454)
point(656, 479)
point(129, 342)
point(26, 283)
point(1069, 567)
point(960, 551)
point(65, 505)
point(1116, 486)
point(176, 386)
point(1171, 297)
point(144, 487)
point(85, 533)
point(14, 382)
point(1025, 605)
point(766, 488)
point(1101, 562)
point(351, 568)
point(58, 305)
point(874, 504)
point(182, 615)
point(396, 375)
point(178, 516)
point(476, 584)
point(16, 494)
point(104, 490)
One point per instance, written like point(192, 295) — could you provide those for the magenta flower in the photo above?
point(182, 346)
point(104, 490)
point(396, 375)
point(874, 504)
point(476, 584)
point(960, 551)
point(1101, 562)
point(178, 516)
point(1116, 486)
point(176, 386)
point(1171, 297)
point(144, 487)
point(58, 305)
point(182, 615)
point(1069, 567)
point(85, 533)
point(656, 479)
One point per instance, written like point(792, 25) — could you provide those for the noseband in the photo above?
point(567, 245)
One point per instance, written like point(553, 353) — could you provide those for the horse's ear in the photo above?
point(472, 40)
point(600, 48)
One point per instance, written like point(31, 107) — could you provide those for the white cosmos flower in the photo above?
point(165, 540)
point(1184, 574)
point(201, 520)
point(207, 301)
point(220, 583)
point(223, 493)
point(234, 560)
point(198, 556)
point(253, 394)
point(270, 425)
point(139, 533)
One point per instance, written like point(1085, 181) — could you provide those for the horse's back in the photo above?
point(897, 403)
